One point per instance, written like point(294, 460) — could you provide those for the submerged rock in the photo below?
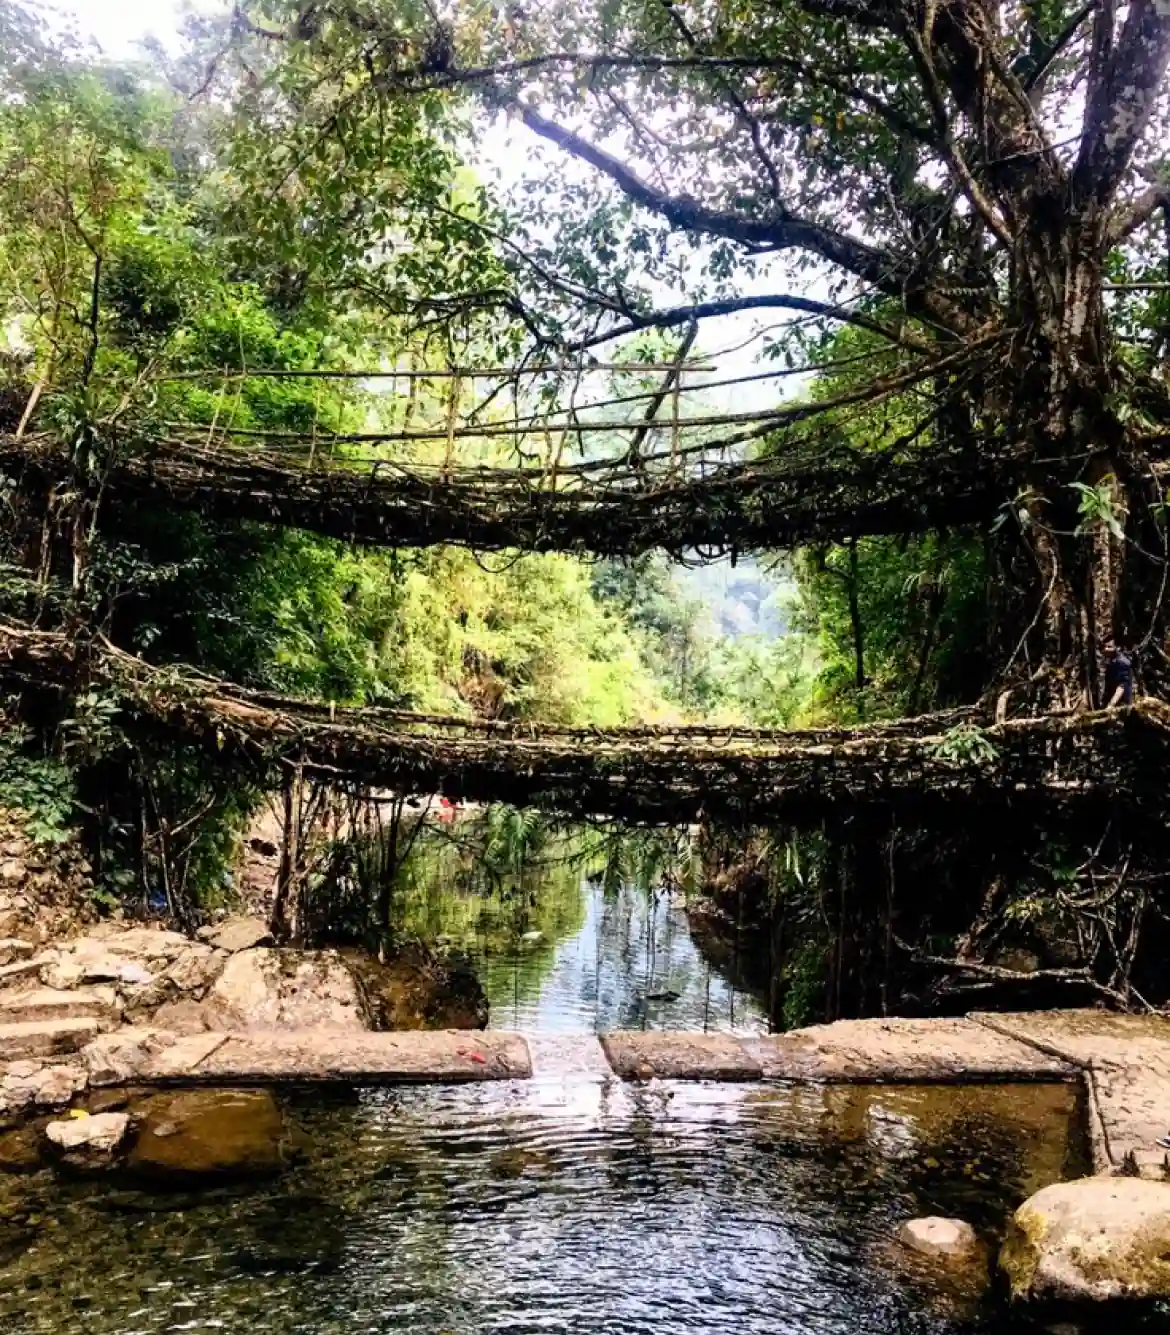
point(89, 1142)
point(948, 1239)
point(1097, 1239)
point(211, 1133)
point(20, 1150)
point(289, 1237)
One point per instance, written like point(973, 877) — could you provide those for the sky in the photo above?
point(118, 24)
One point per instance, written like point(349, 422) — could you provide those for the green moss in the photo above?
point(1020, 1253)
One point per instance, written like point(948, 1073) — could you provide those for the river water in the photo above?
point(569, 1204)
point(584, 960)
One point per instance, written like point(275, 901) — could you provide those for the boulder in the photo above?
point(89, 1142)
point(141, 1000)
point(62, 973)
point(240, 933)
point(935, 1236)
point(120, 1058)
point(184, 1017)
point(20, 1150)
point(16, 1098)
point(211, 1133)
point(1097, 1239)
point(196, 969)
point(146, 945)
point(88, 963)
point(44, 1086)
point(55, 1086)
point(286, 989)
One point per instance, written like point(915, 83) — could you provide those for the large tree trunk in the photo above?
point(1077, 502)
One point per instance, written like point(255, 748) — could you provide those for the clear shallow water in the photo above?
point(584, 1207)
point(559, 1206)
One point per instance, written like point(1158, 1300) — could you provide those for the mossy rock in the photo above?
point(1097, 1240)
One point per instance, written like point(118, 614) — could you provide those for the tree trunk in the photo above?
point(1076, 503)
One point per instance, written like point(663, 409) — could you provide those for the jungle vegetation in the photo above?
point(946, 222)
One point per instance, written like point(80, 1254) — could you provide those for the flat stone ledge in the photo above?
point(447, 1056)
point(45, 1038)
point(1126, 1063)
point(898, 1051)
point(568, 1057)
point(635, 1055)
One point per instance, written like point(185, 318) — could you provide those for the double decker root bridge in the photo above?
point(698, 498)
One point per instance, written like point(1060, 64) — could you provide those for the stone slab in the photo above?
point(568, 1057)
point(257, 1057)
point(1126, 1061)
point(20, 972)
point(48, 1003)
point(238, 933)
point(635, 1055)
point(45, 1038)
point(899, 1051)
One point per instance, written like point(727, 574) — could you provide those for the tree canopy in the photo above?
point(963, 180)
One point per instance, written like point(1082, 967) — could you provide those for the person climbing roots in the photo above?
point(1118, 676)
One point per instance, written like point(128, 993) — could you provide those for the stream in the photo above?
point(571, 1203)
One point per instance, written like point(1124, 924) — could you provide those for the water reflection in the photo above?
point(560, 953)
point(576, 1206)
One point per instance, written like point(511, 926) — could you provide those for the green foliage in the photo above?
point(965, 744)
point(803, 978)
point(40, 786)
point(767, 682)
point(645, 859)
point(1097, 507)
point(922, 610)
point(512, 837)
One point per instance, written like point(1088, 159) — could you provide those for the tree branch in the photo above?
point(1034, 74)
point(1125, 81)
point(1137, 214)
point(742, 113)
point(893, 275)
point(951, 150)
point(674, 316)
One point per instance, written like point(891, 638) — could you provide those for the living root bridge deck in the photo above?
point(640, 774)
point(817, 494)
point(1123, 1061)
